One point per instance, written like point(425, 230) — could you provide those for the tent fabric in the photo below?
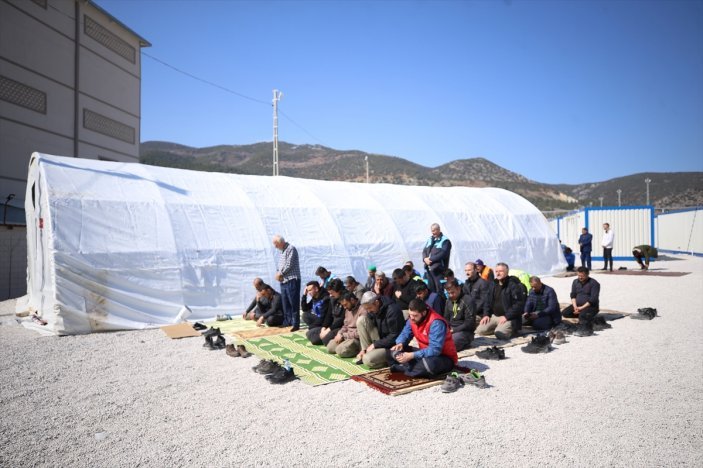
point(124, 246)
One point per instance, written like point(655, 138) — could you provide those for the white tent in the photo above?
point(124, 246)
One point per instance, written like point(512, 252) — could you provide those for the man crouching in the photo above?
point(437, 353)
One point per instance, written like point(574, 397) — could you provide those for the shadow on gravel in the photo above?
point(479, 366)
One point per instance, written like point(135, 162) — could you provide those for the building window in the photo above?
point(107, 126)
point(102, 35)
point(22, 95)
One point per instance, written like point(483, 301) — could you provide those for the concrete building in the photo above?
point(70, 84)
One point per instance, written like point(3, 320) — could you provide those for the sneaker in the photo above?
point(218, 342)
point(231, 350)
point(281, 376)
point(474, 377)
point(452, 383)
point(584, 329)
point(557, 337)
point(242, 351)
point(261, 363)
point(199, 326)
point(268, 367)
point(493, 353)
point(208, 342)
point(646, 313)
point(600, 324)
point(539, 344)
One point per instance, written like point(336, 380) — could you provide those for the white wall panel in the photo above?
point(681, 231)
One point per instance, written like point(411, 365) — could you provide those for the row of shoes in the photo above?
point(274, 372)
point(455, 381)
point(645, 313)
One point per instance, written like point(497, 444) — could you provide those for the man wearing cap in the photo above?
point(289, 275)
point(433, 300)
point(378, 329)
point(325, 276)
point(435, 256)
point(437, 354)
point(484, 271)
point(371, 279)
point(382, 287)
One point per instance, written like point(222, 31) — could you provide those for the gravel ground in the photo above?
point(631, 396)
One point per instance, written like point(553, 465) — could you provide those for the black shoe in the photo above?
point(213, 332)
point(584, 329)
point(359, 362)
point(281, 376)
point(218, 343)
point(600, 324)
point(295, 329)
point(208, 342)
point(539, 344)
point(646, 313)
point(261, 363)
point(199, 326)
point(493, 353)
point(268, 367)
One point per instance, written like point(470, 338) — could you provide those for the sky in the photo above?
point(561, 91)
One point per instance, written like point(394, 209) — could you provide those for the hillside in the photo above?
point(667, 190)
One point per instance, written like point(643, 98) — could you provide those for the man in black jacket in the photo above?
point(435, 256)
point(478, 288)
point(378, 329)
point(460, 314)
point(315, 310)
point(504, 318)
point(585, 292)
point(404, 288)
point(335, 316)
point(270, 309)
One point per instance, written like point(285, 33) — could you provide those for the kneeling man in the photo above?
point(437, 354)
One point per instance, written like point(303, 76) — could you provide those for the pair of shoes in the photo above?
point(557, 336)
point(212, 332)
point(584, 329)
point(539, 344)
point(199, 326)
point(646, 313)
point(599, 323)
point(452, 383)
point(267, 367)
point(493, 353)
point(222, 318)
point(237, 351)
point(474, 377)
point(281, 376)
point(215, 342)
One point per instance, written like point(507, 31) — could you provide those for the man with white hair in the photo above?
point(435, 256)
point(378, 329)
point(289, 275)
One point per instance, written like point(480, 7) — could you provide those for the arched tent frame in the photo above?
point(123, 246)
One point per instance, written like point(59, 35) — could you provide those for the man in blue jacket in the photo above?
point(542, 306)
point(586, 245)
point(435, 256)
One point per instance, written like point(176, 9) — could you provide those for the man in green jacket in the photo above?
point(646, 252)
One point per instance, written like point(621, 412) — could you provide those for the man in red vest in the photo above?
point(437, 354)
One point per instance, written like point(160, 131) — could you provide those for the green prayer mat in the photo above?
point(234, 325)
point(312, 364)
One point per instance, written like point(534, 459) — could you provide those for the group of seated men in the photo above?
point(376, 325)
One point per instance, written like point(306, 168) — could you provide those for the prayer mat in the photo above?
point(239, 325)
point(397, 383)
point(260, 331)
point(646, 273)
point(312, 364)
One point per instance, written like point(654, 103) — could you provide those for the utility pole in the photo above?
point(601, 201)
point(367, 168)
point(619, 193)
point(277, 95)
point(647, 181)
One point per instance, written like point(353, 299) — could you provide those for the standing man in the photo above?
point(289, 275)
point(435, 256)
point(585, 243)
point(437, 353)
point(607, 243)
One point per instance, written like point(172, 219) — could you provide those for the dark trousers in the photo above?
point(290, 296)
point(585, 316)
point(425, 367)
point(462, 340)
point(274, 321)
point(586, 260)
point(543, 323)
point(313, 334)
point(434, 281)
point(608, 256)
point(330, 336)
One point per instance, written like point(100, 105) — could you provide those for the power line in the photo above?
point(301, 127)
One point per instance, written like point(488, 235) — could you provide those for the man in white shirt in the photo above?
point(607, 243)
